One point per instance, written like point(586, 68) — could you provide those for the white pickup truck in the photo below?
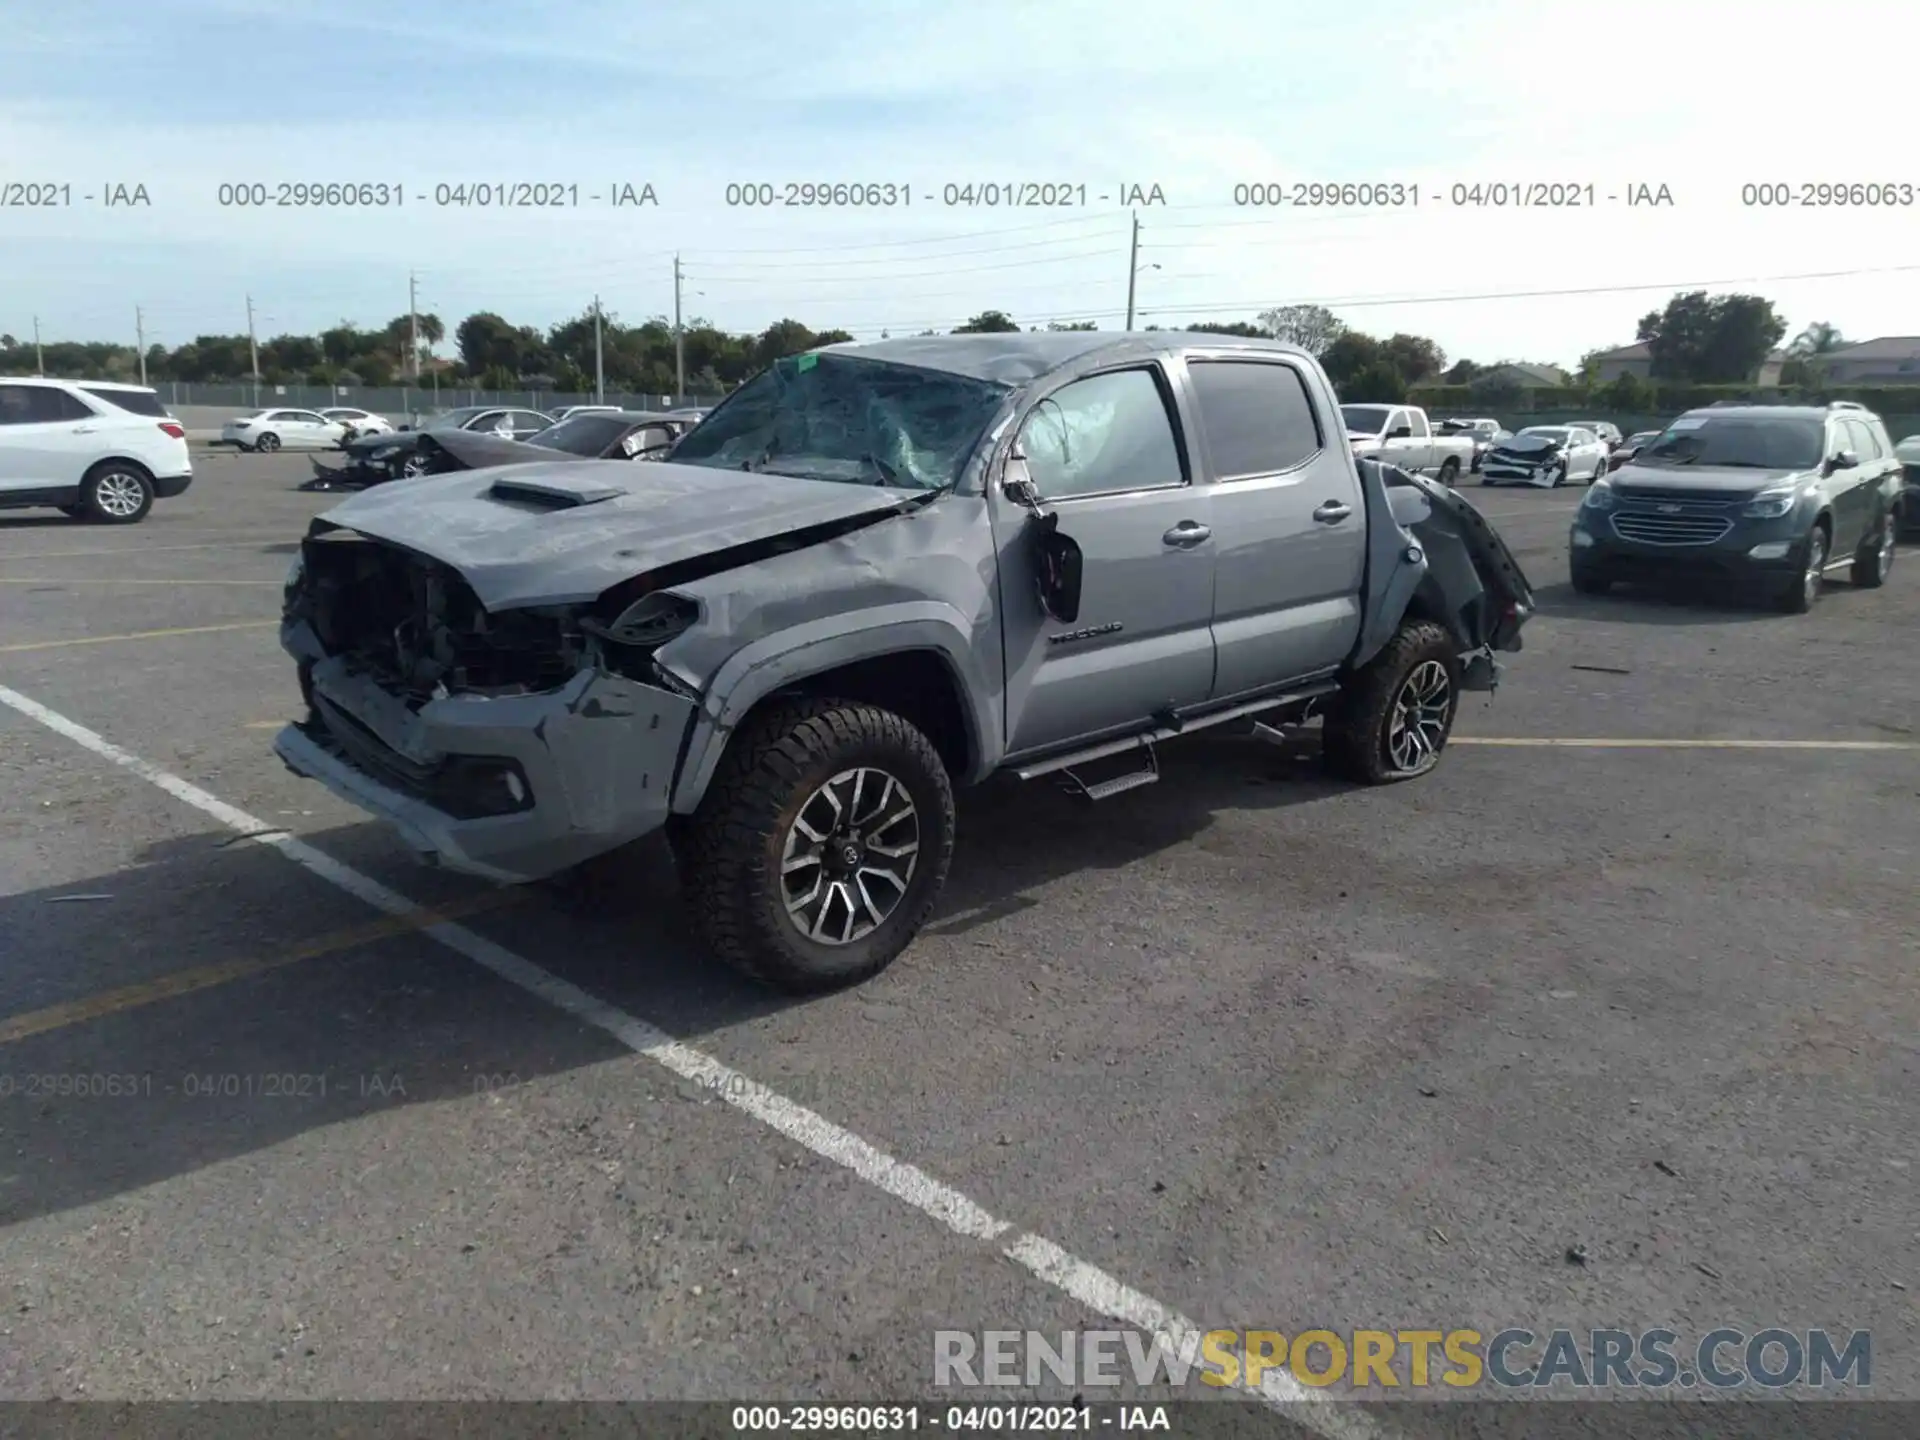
point(1401, 435)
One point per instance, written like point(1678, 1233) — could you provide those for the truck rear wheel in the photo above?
point(1393, 717)
point(821, 846)
point(1449, 471)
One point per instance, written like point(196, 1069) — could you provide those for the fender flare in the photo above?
point(800, 652)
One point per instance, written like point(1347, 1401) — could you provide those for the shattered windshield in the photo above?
point(1749, 442)
point(826, 416)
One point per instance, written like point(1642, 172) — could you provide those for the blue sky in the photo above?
point(184, 95)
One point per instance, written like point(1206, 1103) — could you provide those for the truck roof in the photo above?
point(1015, 358)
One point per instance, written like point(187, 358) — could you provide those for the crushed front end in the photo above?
point(507, 745)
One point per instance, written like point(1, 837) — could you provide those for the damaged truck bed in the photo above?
point(875, 573)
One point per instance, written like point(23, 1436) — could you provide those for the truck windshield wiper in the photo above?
point(888, 475)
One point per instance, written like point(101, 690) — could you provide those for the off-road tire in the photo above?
point(1449, 471)
point(1359, 723)
point(1873, 561)
point(728, 852)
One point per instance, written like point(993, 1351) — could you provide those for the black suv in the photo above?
point(1764, 495)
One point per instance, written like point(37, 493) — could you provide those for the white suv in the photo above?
point(97, 450)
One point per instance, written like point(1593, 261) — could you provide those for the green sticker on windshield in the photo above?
point(807, 362)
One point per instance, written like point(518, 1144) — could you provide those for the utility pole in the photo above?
point(140, 334)
point(599, 359)
point(39, 360)
point(1133, 267)
point(253, 353)
point(679, 339)
point(413, 324)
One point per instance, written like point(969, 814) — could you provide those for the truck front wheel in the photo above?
point(1392, 718)
point(821, 846)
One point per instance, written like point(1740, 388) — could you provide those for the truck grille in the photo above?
point(1652, 529)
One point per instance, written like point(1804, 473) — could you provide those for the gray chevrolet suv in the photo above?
point(1769, 497)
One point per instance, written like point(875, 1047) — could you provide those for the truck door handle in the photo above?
point(1187, 534)
point(83, 429)
point(1332, 513)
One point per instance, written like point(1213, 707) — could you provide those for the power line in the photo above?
point(1369, 302)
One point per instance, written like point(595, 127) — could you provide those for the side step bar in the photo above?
point(1145, 742)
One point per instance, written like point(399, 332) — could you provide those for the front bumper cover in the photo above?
point(597, 759)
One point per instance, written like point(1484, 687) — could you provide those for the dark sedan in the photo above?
point(590, 435)
point(375, 459)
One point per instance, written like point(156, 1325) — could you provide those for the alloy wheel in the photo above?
point(849, 856)
point(119, 494)
point(1417, 725)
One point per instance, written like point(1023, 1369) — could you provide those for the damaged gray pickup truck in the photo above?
point(875, 573)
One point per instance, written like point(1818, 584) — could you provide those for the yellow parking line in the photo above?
point(136, 635)
point(64, 580)
point(205, 977)
point(1587, 744)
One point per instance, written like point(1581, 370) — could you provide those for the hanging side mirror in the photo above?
point(1057, 559)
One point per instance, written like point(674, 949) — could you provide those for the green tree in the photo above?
point(1232, 327)
point(1312, 327)
point(1626, 394)
point(988, 322)
point(1415, 357)
point(1710, 340)
point(1377, 382)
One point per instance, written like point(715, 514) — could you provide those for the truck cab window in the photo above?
point(1256, 416)
point(1103, 434)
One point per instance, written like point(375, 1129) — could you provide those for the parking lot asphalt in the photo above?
point(1630, 977)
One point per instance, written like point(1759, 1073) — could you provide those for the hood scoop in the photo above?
point(553, 494)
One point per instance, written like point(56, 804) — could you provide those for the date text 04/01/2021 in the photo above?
point(459, 195)
point(964, 1419)
point(975, 194)
point(1469, 195)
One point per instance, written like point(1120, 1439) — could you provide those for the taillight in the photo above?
point(173, 429)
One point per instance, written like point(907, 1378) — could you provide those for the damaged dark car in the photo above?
point(876, 573)
point(406, 453)
point(589, 435)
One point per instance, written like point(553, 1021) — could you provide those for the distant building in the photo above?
point(1890, 360)
point(1526, 377)
point(1637, 359)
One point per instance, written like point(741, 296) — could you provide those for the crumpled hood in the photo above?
point(365, 445)
point(575, 529)
point(1529, 444)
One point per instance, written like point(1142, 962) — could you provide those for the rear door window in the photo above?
point(1257, 416)
point(135, 402)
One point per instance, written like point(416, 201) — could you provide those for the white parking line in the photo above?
point(1087, 1283)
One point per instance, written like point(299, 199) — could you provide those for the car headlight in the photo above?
point(1772, 504)
point(1600, 496)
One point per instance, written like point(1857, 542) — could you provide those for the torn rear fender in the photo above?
point(1437, 554)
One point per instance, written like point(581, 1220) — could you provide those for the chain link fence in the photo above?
point(404, 402)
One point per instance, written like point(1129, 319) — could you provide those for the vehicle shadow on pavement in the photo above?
point(1677, 603)
point(312, 1010)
